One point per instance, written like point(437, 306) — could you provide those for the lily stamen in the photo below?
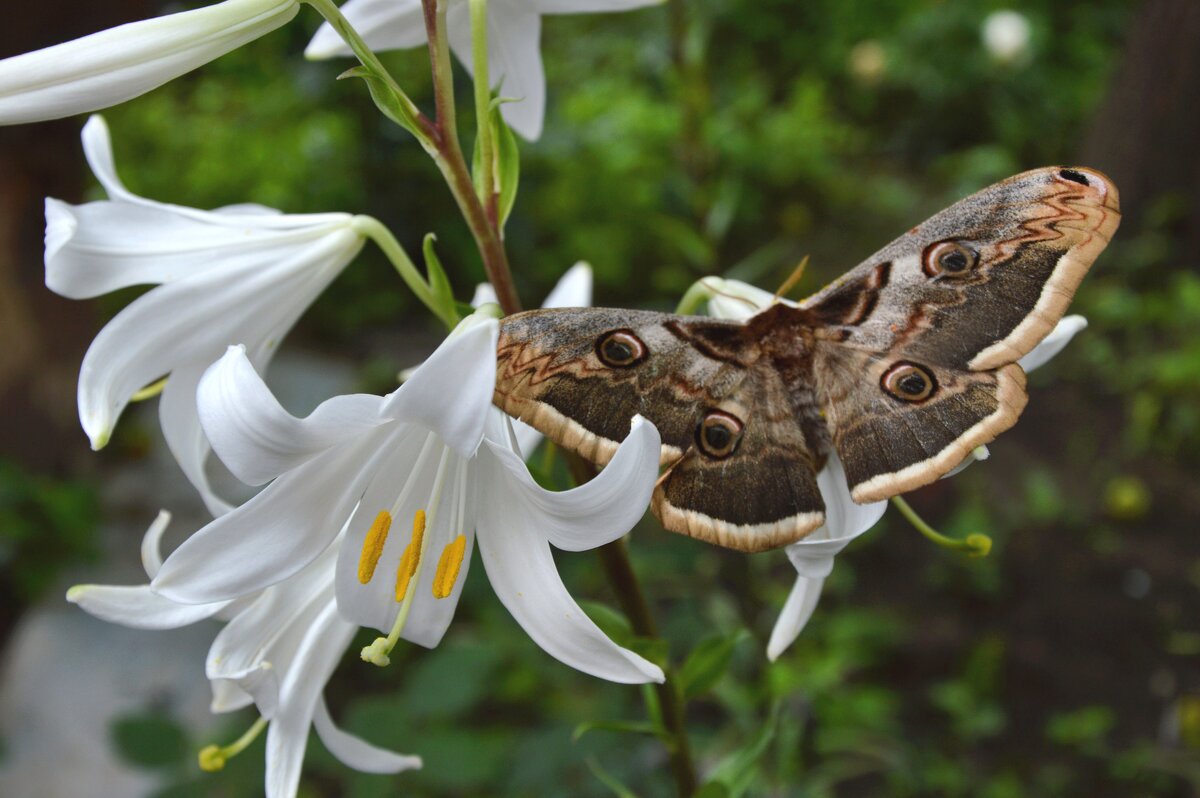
point(378, 653)
point(974, 545)
point(372, 548)
point(214, 757)
point(448, 567)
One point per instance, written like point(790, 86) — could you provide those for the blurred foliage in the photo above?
point(46, 524)
point(735, 137)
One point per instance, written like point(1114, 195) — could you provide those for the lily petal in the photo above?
point(138, 607)
point(573, 289)
point(118, 64)
point(795, 614)
point(593, 514)
point(273, 535)
point(300, 691)
point(514, 61)
point(451, 391)
point(152, 543)
point(522, 572)
point(588, 6)
point(389, 25)
point(1053, 343)
point(356, 752)
point(255, 437)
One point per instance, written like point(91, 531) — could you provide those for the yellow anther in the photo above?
point(373, 546)
point(448, 567)
point(411, 557)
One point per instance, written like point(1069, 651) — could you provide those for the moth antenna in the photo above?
point(792, 279)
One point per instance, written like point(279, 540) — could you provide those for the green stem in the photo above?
point(376, 231)
point(483, 103)
point(421, 127)
point(974, 545)
point(618, 571)
point(449, 159)
point(614, 559)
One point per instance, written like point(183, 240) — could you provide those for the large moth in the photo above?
point(902, 366)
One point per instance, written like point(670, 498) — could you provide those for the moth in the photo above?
point(902, 366)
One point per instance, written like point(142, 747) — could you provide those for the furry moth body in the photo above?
point(902, 366)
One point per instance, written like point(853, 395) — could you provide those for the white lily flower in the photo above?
point(118, 64)
point(277, 651)
point(844, 519)
point(434, 455)
point(237, 275)
point(514, 42)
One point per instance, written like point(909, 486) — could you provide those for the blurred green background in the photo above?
point(731, 138)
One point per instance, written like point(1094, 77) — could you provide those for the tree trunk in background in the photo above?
point(1146, 136)
point(43, 336)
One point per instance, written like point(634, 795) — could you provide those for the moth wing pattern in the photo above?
point(764, 494)
point(962, 296)
point(550, 374)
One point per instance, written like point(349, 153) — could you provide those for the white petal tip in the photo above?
point(61, 225)
point(75, 593)
point(101, 439)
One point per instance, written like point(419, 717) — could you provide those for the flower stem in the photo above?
point(618, 571)
point(483, 100)
point(376, 231)
point(974, 545)
point(614, 558)
point(449, 158)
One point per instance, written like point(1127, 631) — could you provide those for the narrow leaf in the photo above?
point(707, 663)
point(439, 283)
point(508, 166)
point(618, 726)
point(736, 772)
point(608, 780)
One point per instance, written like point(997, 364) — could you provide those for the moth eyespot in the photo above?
point(719, 434)
point(620, 349)
point(909, 382)
point(949, 258)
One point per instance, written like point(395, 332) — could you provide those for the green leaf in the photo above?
point(611, 622)
point(149, 740)
point(707, 663)
point(439, 284)
point(618, 726)
point(508, 165)
point(386, 99)
point(608, 780)
point(713, 789)
point(736, 772)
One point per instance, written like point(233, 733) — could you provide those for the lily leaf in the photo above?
point(395, 106)
point(618, 726)
point(608, 780)
point(439, 283)
point(707, 663)
point(736, 772)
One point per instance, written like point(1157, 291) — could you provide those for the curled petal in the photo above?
point(255, 437)
point(1053, 343)
point(450, 393)
point(118, 64)
point(152, 543)
point(138, 607)
point(184, 437)
point(356, 752)
point(593, 514)
point(796, 611)
point(300, 691)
